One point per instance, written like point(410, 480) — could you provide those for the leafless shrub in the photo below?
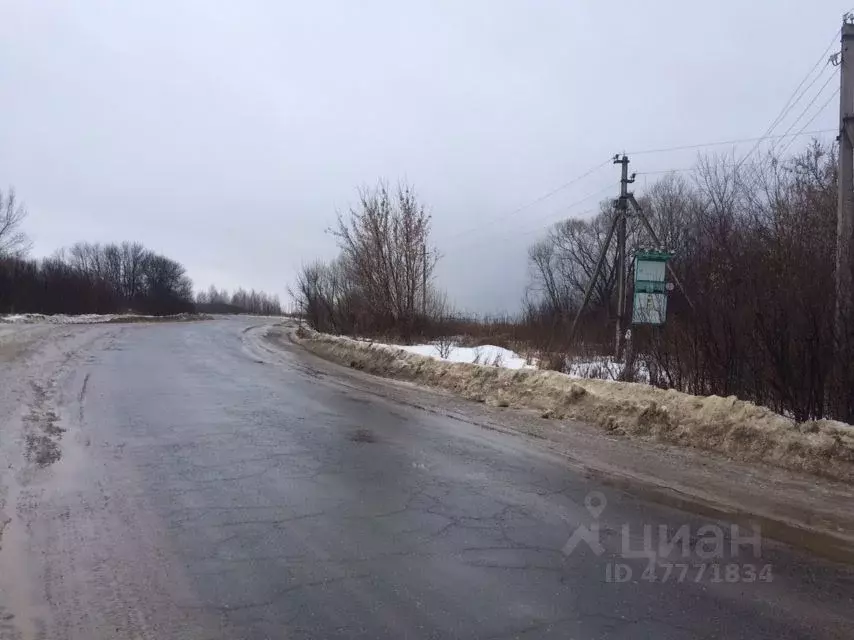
point(384, 248)
point(444, 346)
point(381, 282)
point(552, 361)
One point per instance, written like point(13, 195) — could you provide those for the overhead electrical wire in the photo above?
point(567, 209)
point(790, 103)
point(720, 143)
point(517, 233)
point(564, 210)
point(796, 96)
point(807, 108)
point(810, 121)
point(527, 205)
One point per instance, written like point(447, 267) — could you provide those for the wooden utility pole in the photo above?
point(845, 204)
point(622, 206)
point(618, 225)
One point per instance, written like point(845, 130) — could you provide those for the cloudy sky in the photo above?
point(227, 134)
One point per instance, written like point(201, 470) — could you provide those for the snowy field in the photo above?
point(94, 318)
point(87, 318)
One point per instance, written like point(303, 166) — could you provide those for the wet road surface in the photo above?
point(211, 486)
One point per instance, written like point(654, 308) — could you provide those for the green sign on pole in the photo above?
point(650, 296)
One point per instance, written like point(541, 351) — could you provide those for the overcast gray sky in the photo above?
point(227, 134)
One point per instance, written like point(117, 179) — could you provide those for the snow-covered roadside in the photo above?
point(597, 368)
point(729, 426)
point(93, 318)
point(60, 318)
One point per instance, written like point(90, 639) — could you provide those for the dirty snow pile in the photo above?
point(729, 426)
point(487, 354)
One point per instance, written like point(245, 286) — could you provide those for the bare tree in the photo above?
point(132, 257)
point(13, 241)
point(562, 264)
point(384, 244)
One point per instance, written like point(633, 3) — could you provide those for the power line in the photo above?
point(802, 94)
point(792, 137)
point(790, 103)
point(660, 171)
point(810, 104)
point(738, 164)
point(517, 234)
point(535, 201)
point(810, 121)
point(682, 169)
point(793, 100)
point(722, 143)
point(564, 210)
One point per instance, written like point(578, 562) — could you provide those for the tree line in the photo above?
point(95, 278)
point(241, 301)
point(101, 278)
point(755, 247)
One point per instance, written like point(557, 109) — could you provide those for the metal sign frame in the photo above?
point(650, 291)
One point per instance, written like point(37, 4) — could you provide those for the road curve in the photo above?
point(208, 485)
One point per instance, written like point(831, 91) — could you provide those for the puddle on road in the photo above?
point(363, 435)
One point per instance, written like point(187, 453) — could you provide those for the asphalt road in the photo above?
point(207, 485)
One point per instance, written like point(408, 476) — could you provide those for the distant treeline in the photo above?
point(95, 278)
point(241, 301)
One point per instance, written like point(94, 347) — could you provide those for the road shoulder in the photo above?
point(799, 509)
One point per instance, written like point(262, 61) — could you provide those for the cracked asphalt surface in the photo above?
point(211, 485)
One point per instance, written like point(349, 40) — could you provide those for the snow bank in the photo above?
point(487, 354)
point(32, 318)
point(728, 426)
